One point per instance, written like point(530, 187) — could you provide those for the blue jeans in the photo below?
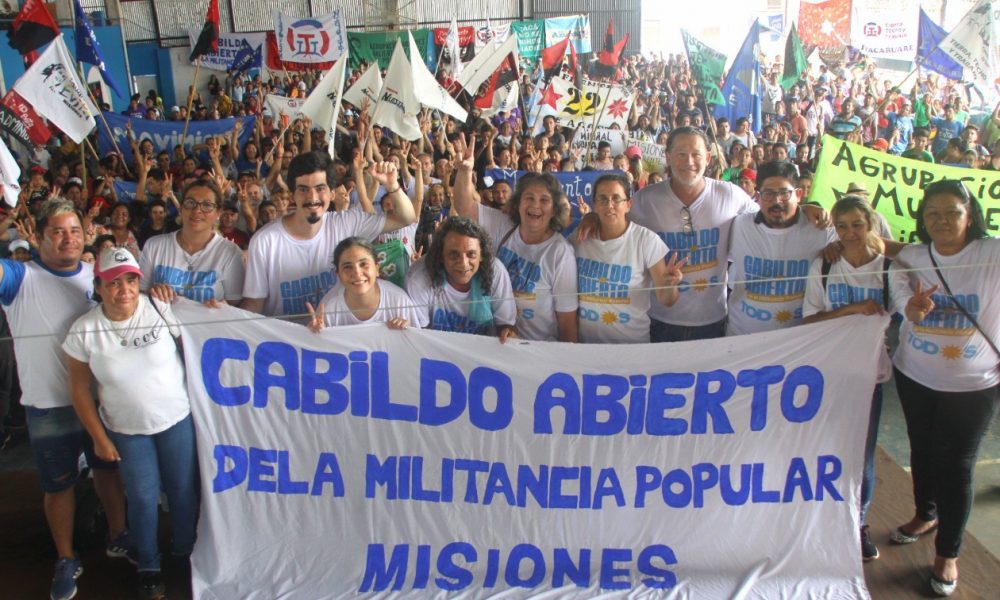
point(667, 332)
point(868, 476)
point(167, 461)
point(57, 439)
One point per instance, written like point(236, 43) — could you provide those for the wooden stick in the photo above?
point(194, 90)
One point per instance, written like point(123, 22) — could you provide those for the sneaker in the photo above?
point(869, 551)
point(121, 546)
point(151, 585)
point(64, 580)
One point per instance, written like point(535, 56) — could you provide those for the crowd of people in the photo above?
point(277, 227)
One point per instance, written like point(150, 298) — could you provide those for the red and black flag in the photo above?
point(552, 58)
point(608, 58)
point(500, 81)
point(33, 27)
point(208, 39)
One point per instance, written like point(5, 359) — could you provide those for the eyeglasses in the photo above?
point(205, 207)
point(687, 225)
point(606, 200)
point(772, 195)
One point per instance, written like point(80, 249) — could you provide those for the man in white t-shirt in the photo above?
point(290, 261)
point(692, 215)
point(43, 298)
point(770, 252)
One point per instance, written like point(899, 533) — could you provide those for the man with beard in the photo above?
point(290, 261)
point(770, 252)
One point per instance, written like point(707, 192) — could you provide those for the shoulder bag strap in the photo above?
point(958, 305)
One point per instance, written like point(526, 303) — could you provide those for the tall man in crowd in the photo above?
point(290, 262)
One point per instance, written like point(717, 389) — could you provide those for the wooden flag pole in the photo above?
point(191, 93)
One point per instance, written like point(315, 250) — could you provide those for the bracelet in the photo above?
point(398, 187)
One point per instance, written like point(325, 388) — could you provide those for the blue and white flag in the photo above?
point(247, 58)
point(742, 86)
point(929, 56)
point(88, 50)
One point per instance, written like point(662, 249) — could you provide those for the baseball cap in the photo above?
point(881, 144)
point(19, 244)
point(38, 169)
point(748, 174)
point(633, 152)
point(115, 262)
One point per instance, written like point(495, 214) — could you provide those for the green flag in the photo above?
point(795, 60)
point(707, 66)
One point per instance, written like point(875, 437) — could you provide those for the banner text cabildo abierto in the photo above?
point(372, 461)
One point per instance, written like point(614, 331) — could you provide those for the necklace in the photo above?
point(124, 332)
point(192, 260)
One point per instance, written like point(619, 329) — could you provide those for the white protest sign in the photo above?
point(369, 461)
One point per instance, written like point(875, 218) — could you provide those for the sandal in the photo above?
point(900, 536)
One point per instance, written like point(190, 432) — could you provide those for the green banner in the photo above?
point(392, 262)
point(895, 184)
point(707, 66)
point(530, 38)
point(378, 46)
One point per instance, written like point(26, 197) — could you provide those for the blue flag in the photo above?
point(929, 56)
point(87, 49)
point(246, 58)
point(742, 86)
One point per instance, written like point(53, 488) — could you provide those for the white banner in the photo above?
point(310, 40)
point(364, 461)
point(283, 105)
point(586, 140)
point(886, 28)
point(654, 156)
point(229, 46)
point(366, 88)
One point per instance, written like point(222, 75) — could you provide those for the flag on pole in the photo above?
point(366, 88)
point(19, 120)
point(9, 174)
point(707, 66)
point(33, 27)
point(742, 86)
point(88, 50)
point(610, 55)
point(451, 43)
point(397, 106)
point(973, 44)
point(929, 56)
point(247, 57)
point(552, 58)
point(52, 87)
point(795, 60)
point(323, 104)
point(426, 89)
point(208, 39)
point(485, 64)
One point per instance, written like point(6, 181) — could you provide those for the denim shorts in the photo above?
point(57, 439)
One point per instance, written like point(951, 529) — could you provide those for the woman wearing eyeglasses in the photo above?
point(617, 267)
point(526, 239)
point(195, 262)
point(946, 365)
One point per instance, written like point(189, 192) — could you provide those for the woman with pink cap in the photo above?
point(143, 423)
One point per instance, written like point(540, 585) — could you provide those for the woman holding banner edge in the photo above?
point(946, 366)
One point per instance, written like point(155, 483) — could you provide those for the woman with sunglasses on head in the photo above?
point(617, 267)
point(526, 239)
point(946, 365)
point(195, 261)
point(857, 284)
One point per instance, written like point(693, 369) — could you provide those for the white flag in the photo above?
point(426, 88)
point(454, 52)
point(397, 105)
point(504, 100)
point(323, 104)
point(366, 88)
point(485, 63)
point(973, 43)
point(51, 86)
point(10, 172)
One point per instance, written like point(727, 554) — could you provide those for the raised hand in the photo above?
point(465, 153)
point(920, 304)
point(316, 320)
point(385, 174)
point(675, 270)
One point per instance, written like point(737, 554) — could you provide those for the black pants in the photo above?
point(945, 429)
